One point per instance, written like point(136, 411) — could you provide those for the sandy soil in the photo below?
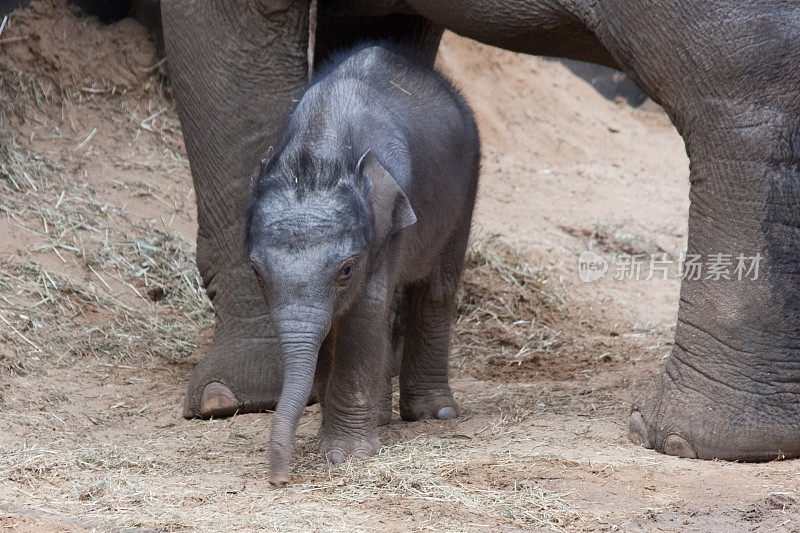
point(102, 318)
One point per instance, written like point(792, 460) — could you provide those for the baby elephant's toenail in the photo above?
point(446, 413)
point(279, 480)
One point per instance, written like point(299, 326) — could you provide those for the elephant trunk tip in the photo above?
point(280, 456)
point(281, 443)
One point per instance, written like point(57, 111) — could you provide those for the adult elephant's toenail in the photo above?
point(335, 457)
point(217, 400)
point(446, 413)
point(677, 445)
point(637, 431)
point(361, 453)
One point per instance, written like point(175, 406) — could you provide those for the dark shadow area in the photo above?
point(7, 6)
point(609, 82)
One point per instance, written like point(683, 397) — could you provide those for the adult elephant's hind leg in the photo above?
point(234, 68)
point(731, 387)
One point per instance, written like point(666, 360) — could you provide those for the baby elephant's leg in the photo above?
point(424, 388)
point(356, 385)
point(427, 313)
point(395, 358)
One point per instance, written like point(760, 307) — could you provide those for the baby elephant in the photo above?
point(363, 211)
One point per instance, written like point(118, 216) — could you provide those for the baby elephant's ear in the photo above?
point(390, 205)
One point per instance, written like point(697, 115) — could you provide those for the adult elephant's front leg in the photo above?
point(234, 68)
point(731, 387)
point(728, 78)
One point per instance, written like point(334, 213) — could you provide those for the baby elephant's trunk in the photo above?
point(301, 330)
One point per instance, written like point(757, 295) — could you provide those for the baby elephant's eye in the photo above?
point(345, 271)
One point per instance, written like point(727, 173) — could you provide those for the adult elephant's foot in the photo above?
point(241, 374)
point(718, 411)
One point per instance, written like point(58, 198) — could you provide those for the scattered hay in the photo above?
point(515, 325)
point(155, 307)
point(52, 316)
point(445, 471)
point(504, 303)
point(451, 480)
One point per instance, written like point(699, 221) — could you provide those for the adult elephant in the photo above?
point(726, 73)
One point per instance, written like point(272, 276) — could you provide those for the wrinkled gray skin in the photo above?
point(333, 237)
point(725, 72)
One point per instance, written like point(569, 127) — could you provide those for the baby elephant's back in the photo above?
point(416, 103)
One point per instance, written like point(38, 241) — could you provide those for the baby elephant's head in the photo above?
point(314, 230)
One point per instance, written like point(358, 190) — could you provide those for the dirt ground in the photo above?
point(102, 316)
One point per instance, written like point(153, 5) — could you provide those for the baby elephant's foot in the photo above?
point(338, 447)
point(439, 404)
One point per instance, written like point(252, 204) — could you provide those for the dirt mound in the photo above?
point(55, 43)
point(88, 266)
